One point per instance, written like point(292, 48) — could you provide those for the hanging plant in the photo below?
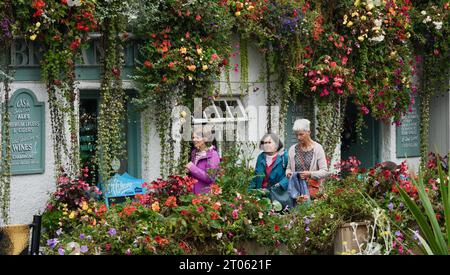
point(432, 45)
point(182, 56)
point(5, 78)
point(111, 120)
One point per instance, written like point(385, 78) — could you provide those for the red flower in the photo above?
point(200, 209)
point(295, 14)
point(74, 45)
point(108, 247)
point(398, 217)
point(164, 79)
point(184, 212)
point(188, 35)
point(225, 62)
point(214, 215)
point(38, 4)
point(438, 216)
point(184, 247)
point(116, 72)
point(128, 210)
point(196, 201)
point(171, 202)
point(161, 241)
point(276, 228)
point(148, 64)
point(198, 17)
point(64, 2)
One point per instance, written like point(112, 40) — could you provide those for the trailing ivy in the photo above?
point(111, 119)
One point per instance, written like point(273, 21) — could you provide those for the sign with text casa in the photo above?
point(27, 126)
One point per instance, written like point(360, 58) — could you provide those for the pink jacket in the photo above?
point(204, 170)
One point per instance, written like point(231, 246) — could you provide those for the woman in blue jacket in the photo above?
point(271, 164)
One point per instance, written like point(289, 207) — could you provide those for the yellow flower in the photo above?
point(205, 67)
point(38, 24)
point(191, 68)
point(369, 7)
point(355, 14)
point(183, 50)
point(84, 206)
point(89, 211)
point(199, 51)
point(155, 206)
point(250, 8)
point(357, 2)
point(363, 18)
point(72, 215)
point(361, 38)
point(349, 24)
point(65, 213)
point(33, 37)
point(345, 19)
point(238, 13)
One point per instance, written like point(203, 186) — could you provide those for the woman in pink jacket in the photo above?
point(204, 160)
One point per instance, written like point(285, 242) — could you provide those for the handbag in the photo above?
point(277, 193)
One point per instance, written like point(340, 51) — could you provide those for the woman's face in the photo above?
point(268, 145)
point(303, 136)
point(199, 141)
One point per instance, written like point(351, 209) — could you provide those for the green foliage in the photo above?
point(437, 240)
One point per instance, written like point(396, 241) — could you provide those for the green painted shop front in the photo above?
point(25, 61)
point(367, 150)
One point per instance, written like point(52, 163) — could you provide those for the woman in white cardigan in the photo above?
point(307, 157)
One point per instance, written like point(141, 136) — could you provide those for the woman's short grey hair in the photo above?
point(205, 131)
point(275, 139)
point(301, 125)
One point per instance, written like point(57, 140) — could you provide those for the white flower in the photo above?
point(378, 22)
point(71, 3)
point(331, 216)
point(438, 25)
point(423, 12)
point(377, 39)
point(219, 235)
point(427, 19)
point(260, 215)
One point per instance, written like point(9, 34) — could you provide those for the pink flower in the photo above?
point(200, 209)
point(344, 60)
point(364, 110)
point(214, 56)
point(338, 81)
point(235, 214)
point(324, 92)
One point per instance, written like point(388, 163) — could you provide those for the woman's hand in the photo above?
point(188, 166)
point(288, 174)
point(305, 174)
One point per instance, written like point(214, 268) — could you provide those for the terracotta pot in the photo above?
point(14, 239)
point(345, 241)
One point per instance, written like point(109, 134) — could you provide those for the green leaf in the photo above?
point(442, 246)
point(277, 205)
point(445, 195)
point(420, 219)
point(424, 243)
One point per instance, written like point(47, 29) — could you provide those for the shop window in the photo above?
point(89, 109)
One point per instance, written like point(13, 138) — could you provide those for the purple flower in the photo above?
point(52, 243)
point(59, 231)
point(416, 235)
point(398, 234)
point(306, 220)
point(61, 251)
point(391, 206)
point(306, 239)
point(112, 232)
point(401, 205)
point(307, 229)
point(82, 236)
point(84, 249)
point(128, 252)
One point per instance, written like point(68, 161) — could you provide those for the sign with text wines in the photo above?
point(27, 128)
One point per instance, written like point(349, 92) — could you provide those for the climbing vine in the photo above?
point(111, 119)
